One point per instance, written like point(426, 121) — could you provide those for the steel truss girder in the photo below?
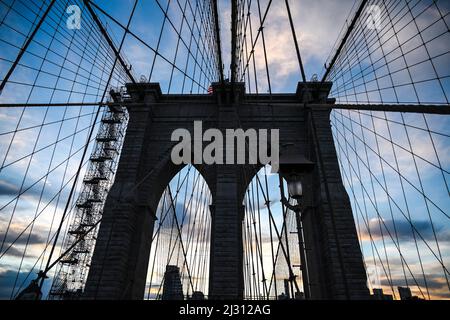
point(405, 108)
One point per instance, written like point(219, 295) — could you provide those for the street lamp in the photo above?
point(292, 167)
point(295, 187)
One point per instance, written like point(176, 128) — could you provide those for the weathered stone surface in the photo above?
point(120, 261)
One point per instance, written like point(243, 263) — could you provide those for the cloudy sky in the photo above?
point(373, 148)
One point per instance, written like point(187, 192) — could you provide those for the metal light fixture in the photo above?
point(295, 187)
point(292, 167)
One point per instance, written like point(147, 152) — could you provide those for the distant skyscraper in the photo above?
point(197, 295)
point(286, 288)
point(379, 295)
point(173, 289)
point(405, 293)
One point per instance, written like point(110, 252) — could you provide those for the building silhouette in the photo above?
point(172, 289)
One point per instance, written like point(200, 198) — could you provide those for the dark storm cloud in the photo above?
point(14, 252)
point(404, 230)
point(34, 238)
point(15, 237)
point(7, 189)
point(10, 188)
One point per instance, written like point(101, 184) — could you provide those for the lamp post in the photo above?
point(295, 189)
point(292, 167)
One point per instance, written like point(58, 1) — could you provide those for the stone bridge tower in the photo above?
point(119, 265)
